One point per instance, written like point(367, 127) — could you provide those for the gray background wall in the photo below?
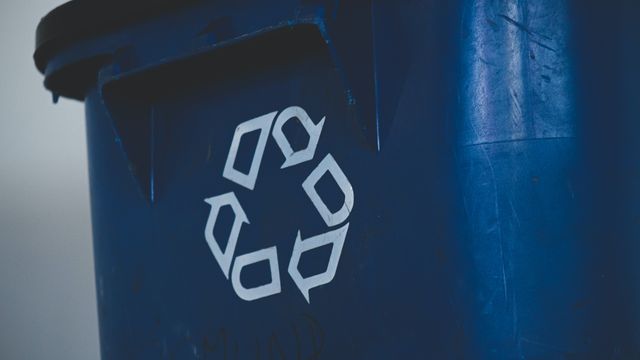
point(47, 293)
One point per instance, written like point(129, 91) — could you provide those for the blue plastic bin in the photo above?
point(364, 179)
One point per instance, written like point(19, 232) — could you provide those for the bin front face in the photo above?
point(364, 180)
point(315, 248)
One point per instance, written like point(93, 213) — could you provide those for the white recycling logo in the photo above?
point(232, 265)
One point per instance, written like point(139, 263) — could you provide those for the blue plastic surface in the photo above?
point(492, 149)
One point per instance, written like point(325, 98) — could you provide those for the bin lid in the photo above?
point(80, 19)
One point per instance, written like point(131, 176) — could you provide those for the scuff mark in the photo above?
point(518, 112)
point(523, 27)
point(515, 213)
point(543, 45)
point(504, 274)
point(498, 224)
point(530, 32)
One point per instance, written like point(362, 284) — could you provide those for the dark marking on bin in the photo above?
point(543, 45)
point(301, 338)
point(236, 349)
point(258, 352)
point(221, 341)
point(274, 346)
point(522, 27)
point(315, 330)
point(296, 333)
point(493, 24)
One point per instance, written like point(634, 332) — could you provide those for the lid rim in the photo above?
point(76, 20)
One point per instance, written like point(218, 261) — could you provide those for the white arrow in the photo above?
point(336, 237)
point(262, 124)
point(329, 165)
point(225, 257)
point(258, 292)
point(296, 157)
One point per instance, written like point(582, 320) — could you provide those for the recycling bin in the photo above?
point(364, 179)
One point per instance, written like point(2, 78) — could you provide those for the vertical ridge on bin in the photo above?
point(517, 163)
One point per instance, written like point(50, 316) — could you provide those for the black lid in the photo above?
point(80, 19)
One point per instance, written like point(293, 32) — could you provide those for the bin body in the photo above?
point(361, 180)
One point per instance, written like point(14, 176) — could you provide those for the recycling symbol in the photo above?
point(232, 264)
